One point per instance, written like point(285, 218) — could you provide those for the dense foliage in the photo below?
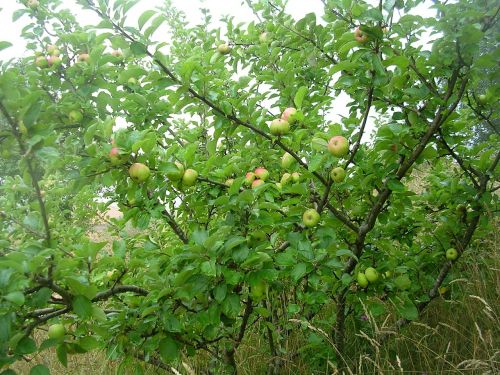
point(169, 126)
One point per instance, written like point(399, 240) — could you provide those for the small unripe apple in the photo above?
point(295, 176)
point(286, 178)
point(402, 282)
point(371, 274)
point(54, 61)
point(132, 81)
point(451, 254)
point(362, 280)
point(117, 53)
point(387, 274)
point(261, 173)
point(56, 331)
point(310, 218)
point(279, 127)
point(33, 4)
point(223, 49)
point(337, 174)
point(338, 146)
point(249, 178)
point(83, 57)
point(75, 116)
point(189, 177)
point(41, 62)
point(482, 99)
point(360, 36)
point(287, 160)
point(290, 115)
point(256, 183)
point(264, 37)
point(139, 172)
point(51, 48)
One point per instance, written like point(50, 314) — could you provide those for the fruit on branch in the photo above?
point(387, 274)
point(54, 61)
point(83, 57)
point(451, 254)
point(75, 116)
point(286, 178)
point(189, 177)
point(290, 115)
point(287, 160)
point(115, 156)
point(249, 178)
point(360, 36)
point(33, 4)
point(295, 176)
point(224, 49)
point(256, 183)
point(229, 182)
point(310, 218)
point(52, 50)
point(132, 81)
point(338, 146)
point(41, 62)
point(261, 173)
point(56, 331)
point(337, 174)
point(117, 53)
point(279, 127)
point(482, 99)
point(139, 172)
point(362, 280)
point(403, 282)
point(371, 274)
point(175, 173)
point(264, 37)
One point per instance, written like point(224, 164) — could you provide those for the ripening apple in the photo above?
point(371, 274)
point(256, 183)
point(117, 53)
point(54, 61)
point(115, 156)
point(290, 115)
point(249, 178)
point(261, 173)
point(229, 182)
point(362, 280)
point(286, 178)
point(175, 174)
point(75, 116)
point(41, 62)
point(223, 49)
point(310, 218)
point(83, 57)
point(287, 160)
point(337, 174)
point(139, 172)
point(189, 177)
point(51, 48)
point(360, 36)
point(56, 331)
point(33, 4)
point(279, 127)
point(451, 254)
point(338, 146)
point(295, 176)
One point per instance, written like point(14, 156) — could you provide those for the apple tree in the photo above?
point(246, 207)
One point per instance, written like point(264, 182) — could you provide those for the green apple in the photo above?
point(33, 4)
point(338, 146)
point(290, 115)
point(371, 274)
point(261, 173)
point(83, 57)
point(139, 172)
point(360, 36)
point(482, 99)
point(189, 177)
point(75, 116)
point(175, 173)
point(256, 183)
point(41, 62)
point(295, 176)
point(451, 254)
point(56, 331)
point(51, 49)
point(362, 280)
point(132, 81)
point(279, 127)
point(402, 282)
point(337, 174)
point(287, 160)
point(249, 178)
point(310, 218)
point(286, 178)
point(387, 274)
point(224, 49)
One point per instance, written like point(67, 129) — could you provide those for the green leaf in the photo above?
point(408, 310)
point(169, 349)
point(299, 96)
point(17, 298)
point(395, 185)
point(82, 307)
point(138, 49)
point(62, 354)
point(39, 370)
point(231, 305)
point(208, 268)
point(298, 271)
point(4, 45)
point(145, 17)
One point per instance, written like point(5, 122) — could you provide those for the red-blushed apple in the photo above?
point(360, 36)
point(338, 146)
point(115, 156)
point(83, 57)
point(261, 173)
point(224, 49)
point(295, 176)
point(362, 280)
point(310, 218)
point(290, 115)
point(41, 62)
point(56, 331)
point(229, 182)
point(139, 172)
point(337, 174)
point(371, 274)
point(33, 4)
point(279, 127)
point(249, 178)
point(189, 177)
point(256, 183)
point(287, 160)
point(75, 116)
point(451, 254)
point(117, 53)
point(286, 178)
point(54, 60)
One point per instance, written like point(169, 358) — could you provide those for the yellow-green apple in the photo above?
point(132, 81)
point(295, 176)
point(290, 115)
point(402, 282)
point(338, 146)
point(139, 172)
point(310, 218)
point(52, 49)
point(56, 331)
point(279, 127)
point(337, 174)
point(261, 173)
point(54, 60)
point(286, 178)
point(41, 62)
point(371, 274)
point(189, 177)
point(223, 49)
point(482, 99)
point(249, 178)
point(287, 160)
point(256, 183)
point(229, 182)
point(33, 4)
point(75, 116)
point(362, 280)
point(451, 254)
point(360, 36)
point(83, 57)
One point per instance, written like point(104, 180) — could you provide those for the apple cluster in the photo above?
point(51, 59)
point(370, 276)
